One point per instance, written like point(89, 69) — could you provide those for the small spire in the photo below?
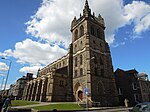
point(74, 17)
point(86, 5)
point(86, 10)
point(93, 14)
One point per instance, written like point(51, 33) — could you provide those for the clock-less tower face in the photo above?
point(92, 64)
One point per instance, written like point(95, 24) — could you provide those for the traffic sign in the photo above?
point(86, 91)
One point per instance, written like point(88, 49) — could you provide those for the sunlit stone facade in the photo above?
point(88, 64)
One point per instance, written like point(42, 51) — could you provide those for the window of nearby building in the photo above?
point(120, 91)
point(81, 31)
point(76, 35)
point(81, 71)
point(81, 59)
point(136, 98)
point(76, 61)
point(134, 86)
point(61, 83)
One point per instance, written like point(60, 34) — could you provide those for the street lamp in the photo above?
point(8, 71)
point(86, 89)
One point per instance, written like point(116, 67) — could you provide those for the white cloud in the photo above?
point(6, 53)
point(3, 66)
point(52, 20)
point(143, 24)
point(30, 69)
point(2, 75)
point(139, 13)
point(36, 53)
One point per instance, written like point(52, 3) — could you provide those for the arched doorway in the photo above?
point(78, 92)
point(80, 95)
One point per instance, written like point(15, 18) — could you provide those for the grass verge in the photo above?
point(59, 107)
point(22, 103)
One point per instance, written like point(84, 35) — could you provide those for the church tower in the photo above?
point(92, 63)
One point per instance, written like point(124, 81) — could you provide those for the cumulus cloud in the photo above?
point(6, 53)
point(52, 20)
point(30, 69)
point(139, 13)
point(3, 66)
point(143, 24)
point(36, 53)
point(1, 74)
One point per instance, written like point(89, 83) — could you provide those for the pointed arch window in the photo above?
point(92, 30)
point(100, 88)
point(76, 61)
point(75, 73)
point(95, 59)
point(81, 31)
point(81, 71)
point(101, 61)
point(76, 35)
point(81, 59)
point(98, 33)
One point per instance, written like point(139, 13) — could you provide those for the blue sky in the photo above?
point(32, 37)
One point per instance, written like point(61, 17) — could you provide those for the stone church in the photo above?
point(85, 72)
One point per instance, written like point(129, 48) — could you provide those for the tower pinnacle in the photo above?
point(86, 10)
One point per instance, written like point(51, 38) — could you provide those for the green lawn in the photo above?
point(59, 107)
point(22, 102)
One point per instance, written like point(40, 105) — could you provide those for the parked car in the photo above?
point(141, 107)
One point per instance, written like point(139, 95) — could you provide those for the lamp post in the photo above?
point(8, 71)
point(86, 89)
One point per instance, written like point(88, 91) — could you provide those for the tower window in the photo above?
point(76, 35)
point(98, 33)
point(102, 72)
point(96, 71)
point(81, 31)
point(101, 61)
point(100, 88)
point(75, 48)
point(81, 71)
point(81, 58)
point(94, 42)
point(75, 74)
point(76, 61)
point(95, 59)
point(92, 30)
point(61, 83)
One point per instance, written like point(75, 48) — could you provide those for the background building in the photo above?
point(16, 90)
point(132, 86)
